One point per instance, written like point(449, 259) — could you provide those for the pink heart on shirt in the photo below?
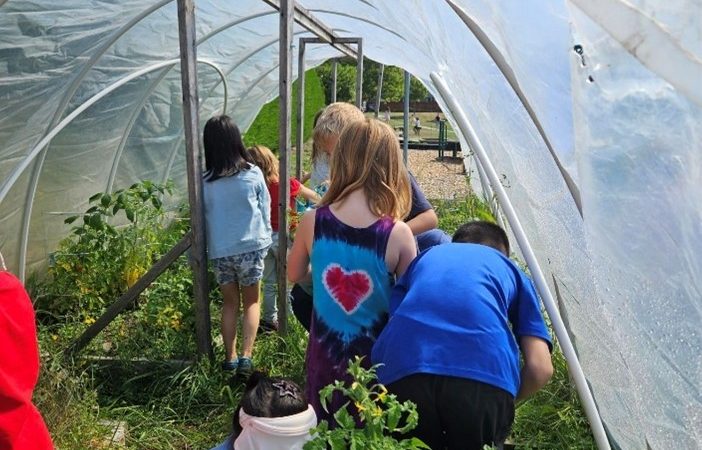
point(348, 289)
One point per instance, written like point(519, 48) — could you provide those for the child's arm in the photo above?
point(308, 194)
point(424, 221)
point(299, 257)
point(537, 369)
point(402, 248)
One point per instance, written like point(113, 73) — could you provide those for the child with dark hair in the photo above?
point(459, 317)
point(237, 215)
point(273, 414)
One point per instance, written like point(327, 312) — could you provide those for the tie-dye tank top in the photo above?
point(351, 290)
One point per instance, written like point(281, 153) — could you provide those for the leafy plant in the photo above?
point(454, 213)
point(100, 259)
point(381, 414)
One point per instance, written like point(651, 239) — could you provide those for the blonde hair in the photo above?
point(332, 121)
point(369, 158)
point(264, 158)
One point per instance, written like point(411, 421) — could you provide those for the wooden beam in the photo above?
point(284, 135)
point(300, 141)
point(314, 26)
point(191, 122)
point(130, 296)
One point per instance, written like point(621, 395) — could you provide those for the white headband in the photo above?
point(275, 433)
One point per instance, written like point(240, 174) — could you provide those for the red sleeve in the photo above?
point(21, 425)
point(294, 188)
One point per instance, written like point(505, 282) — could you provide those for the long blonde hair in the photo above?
point(368, 157)
point(264, 158)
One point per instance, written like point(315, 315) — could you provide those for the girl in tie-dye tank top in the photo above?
point(356, 245)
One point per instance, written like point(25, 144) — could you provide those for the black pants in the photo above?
point(457, 413)
point(301, 303)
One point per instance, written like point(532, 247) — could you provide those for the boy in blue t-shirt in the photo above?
point(458, 318)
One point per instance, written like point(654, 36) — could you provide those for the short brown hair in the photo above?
point(369, 158)
point(334, 118)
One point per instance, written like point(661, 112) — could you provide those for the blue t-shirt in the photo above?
point(458, 311)
point(419, 201)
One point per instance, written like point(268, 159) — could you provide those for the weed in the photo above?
point(382, 416)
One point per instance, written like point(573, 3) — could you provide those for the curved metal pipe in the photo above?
point(171, 159)
point(174, 152)
point(559, 328)
point(222, 76)
point(27, 160)
point(61, 109)
point(369, 22)
point(137, 111)
point(511, 78)
point(36, 172)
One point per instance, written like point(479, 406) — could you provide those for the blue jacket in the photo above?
point(237, 213)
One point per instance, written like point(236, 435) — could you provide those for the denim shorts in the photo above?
point(245, 268)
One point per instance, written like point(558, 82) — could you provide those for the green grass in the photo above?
point(189, 408)
point(264, 129)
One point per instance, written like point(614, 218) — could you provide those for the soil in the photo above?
point(439, 179)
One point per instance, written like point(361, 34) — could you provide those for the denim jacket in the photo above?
point(237, 213)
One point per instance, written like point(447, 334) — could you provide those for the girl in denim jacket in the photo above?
point(237, 214)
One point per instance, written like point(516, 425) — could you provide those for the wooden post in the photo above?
point(333, 88)
point(130, 296)
point(285, 91)
point(379, 90)
point(188, 76)
point(359, 73)
point(300, 108)
point(405, 119)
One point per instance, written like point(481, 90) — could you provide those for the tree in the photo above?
point(393, 82)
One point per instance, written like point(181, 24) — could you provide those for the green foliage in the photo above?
point(454, 213)
point(393, 82)
point(553, 417)
point(345, 80)
point(99, 260)
point(381, 413)
point(67, 403)
point(264, 129)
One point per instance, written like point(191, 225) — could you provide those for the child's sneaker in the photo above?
point(245, 368)
point(268, 327)
point(229, 366)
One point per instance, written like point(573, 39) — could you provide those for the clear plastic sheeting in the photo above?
point(52, 61)
point(626, 274)
point(640, 159)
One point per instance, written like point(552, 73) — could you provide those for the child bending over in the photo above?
point(449, 347)
point(356, 244)
point(237, 215)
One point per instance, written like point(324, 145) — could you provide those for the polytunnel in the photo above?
point(588, 115)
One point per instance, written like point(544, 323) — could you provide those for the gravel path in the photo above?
point(438, 179)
